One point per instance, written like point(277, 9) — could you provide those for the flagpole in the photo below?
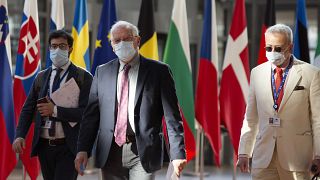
point(201, 154)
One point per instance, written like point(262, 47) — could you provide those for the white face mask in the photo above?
point(125, 50)
point(276, 58)
point(59, 57)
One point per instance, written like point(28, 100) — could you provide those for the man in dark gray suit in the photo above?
point(128, 98)
point(55, 131)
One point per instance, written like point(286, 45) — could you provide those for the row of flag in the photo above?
point(213, 105)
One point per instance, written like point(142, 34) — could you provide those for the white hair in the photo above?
point(124, 24)
point(282, 29)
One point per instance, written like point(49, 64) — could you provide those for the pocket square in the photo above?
point(299, 88)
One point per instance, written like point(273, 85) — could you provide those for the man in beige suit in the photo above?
point(281, 128)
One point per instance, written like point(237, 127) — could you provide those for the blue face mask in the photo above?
point(59, 57)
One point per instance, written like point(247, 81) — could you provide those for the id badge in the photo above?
point(47, 124)
point(274, 121)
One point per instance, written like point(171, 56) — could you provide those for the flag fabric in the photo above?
point(234, 87)
point(104, 52)
point(149, 43)
point(56, 21)
point(316, 61)
point(206, 105)
point(27, 67)
point(300, 39)
point(80, 33)
point(177, 56)
point(269, 20)
point(8, 158)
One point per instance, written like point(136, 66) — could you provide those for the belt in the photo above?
point(54, 142)
point(130, 138)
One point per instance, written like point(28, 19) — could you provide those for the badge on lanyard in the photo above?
point(274, 121)
point(46, 124)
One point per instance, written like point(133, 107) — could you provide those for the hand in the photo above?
point(81, 158)
point(19, 145)
point(243, 164)
point(178, 165)
point(316, 162)
point(46, 109)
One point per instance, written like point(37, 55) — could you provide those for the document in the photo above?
point(171, 175)
point(67, 96)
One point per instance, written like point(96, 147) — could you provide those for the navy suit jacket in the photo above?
point(65, 115)
point(155, 97)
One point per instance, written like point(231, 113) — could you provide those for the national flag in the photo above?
point(80, 33)
point(177, 56)
point(207, 112)
point(300, 39)
point(316, 61)
point(104, 52)
point(149, 43)
point(269, 20)
point(234, 87)
point(27, 67)
point(8, 158)
point(56, 21)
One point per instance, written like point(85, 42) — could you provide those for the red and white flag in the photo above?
point(235, 75)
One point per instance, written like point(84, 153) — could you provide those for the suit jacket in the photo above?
point(298, 138)
point(65, 115)
point(155, 97)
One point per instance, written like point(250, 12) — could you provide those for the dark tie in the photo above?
point(55, 86)
point(122, 117)
point(279, 77)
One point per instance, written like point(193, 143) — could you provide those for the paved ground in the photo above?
point(211, 173)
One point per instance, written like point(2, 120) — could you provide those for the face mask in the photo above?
point(125, 50)
point(59, 57)
point(276, 58)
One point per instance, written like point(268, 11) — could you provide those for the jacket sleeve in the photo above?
point(28, 111)
point(315, 113)
point(250, 123)
point(172, 115)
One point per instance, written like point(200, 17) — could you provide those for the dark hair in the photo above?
point(61, 34)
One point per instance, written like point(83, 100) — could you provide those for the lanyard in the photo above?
point(276, 93)
point(60, 79)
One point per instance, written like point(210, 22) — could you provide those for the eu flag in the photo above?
point(103, 52)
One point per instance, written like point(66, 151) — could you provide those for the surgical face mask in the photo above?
point(59, 57)
point(277, 58)
point(125, 50)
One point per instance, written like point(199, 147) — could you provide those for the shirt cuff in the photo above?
point(316, 157)
point(55, 111)
point(243, 156)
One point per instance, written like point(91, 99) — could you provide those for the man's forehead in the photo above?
point(59, 39)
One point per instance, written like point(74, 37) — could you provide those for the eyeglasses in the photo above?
point(61, 46)
point(276, 49)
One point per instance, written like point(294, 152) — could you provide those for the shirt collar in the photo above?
point(64, 67)
point(133, 63)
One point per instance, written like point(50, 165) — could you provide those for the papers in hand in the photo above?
point(67, 96)
point(171, 175)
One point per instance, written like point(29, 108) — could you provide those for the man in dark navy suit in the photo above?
point(56, 128)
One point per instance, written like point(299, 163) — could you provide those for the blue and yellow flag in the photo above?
point(104, 52)
point(80, 33)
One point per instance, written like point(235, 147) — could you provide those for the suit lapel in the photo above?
point(108, 79)
point(72, 72)
point(294, 77)
point(46, 79)
point(265, 84)
point(143, 71)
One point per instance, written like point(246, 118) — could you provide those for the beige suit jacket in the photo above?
point(298, 138)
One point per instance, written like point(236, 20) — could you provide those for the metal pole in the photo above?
point(201, 155)
point(198, 149)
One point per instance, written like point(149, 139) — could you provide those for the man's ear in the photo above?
point(70, 50)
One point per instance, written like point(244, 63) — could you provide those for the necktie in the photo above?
point(55, 86)
point(279, 77)
point(122, 117)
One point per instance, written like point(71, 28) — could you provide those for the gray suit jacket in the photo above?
point(155, 97)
